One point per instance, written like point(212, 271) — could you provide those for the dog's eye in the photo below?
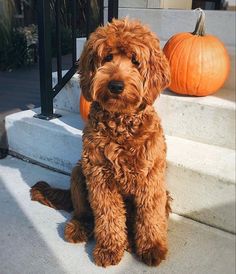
point(108, 58)
point(134, 60)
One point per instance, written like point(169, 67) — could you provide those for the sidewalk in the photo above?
point(31, 235)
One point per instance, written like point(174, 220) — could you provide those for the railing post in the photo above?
point(113, 6)
point(88, 19)
point(47, 91)
point(45, 62)
point(101, 12)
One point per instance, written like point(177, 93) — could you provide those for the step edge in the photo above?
point(220, 103)
point(204, 225)
point(230, 180)
point(18, 117)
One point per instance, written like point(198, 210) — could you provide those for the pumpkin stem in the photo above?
point(200, 29)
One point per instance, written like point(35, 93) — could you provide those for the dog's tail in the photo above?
point(52, 197)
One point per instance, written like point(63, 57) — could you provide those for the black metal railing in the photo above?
point(47, 91)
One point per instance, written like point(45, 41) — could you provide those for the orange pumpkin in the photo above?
point(84, 107)
point(199, 62)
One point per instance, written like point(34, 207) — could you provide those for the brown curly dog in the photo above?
point(118, 190)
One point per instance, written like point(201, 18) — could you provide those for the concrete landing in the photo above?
point(31, 235)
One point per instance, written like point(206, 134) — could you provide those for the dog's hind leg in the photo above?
point(52, 197)
point(80, 227)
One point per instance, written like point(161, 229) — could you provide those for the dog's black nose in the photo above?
point(116, 86)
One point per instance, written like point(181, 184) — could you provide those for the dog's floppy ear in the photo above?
point(158, 73)
point(87, 68)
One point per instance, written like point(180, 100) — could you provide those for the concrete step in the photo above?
point(167, 22)
point(55, 143)
point(32, 234)
point(208, 119)
point(200, 177)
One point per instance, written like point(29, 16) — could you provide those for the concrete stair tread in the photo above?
point(71, 122)
point(202, 158)
point(223, 98)
point(33, 236)
point(209, 119)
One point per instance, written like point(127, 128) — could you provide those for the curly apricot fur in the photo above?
point(118, 189)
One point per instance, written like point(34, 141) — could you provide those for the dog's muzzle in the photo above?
point(116, 87)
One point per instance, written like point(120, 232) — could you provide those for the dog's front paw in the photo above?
point(153, 256)
point(105, 257)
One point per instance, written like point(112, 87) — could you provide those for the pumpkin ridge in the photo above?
point(220, 48)
point(216, 60)
point(187, 62)
point(179, 60)
point(207, 64)
point(201, 65)
point(84, 107)
point(211, 65)
point(176, 45)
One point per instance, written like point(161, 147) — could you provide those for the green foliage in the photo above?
point(18, 50)
point(6, 21)
point(66, 41)
point(13, 53)
point(15, 43)
point(18, 45)
point(65, 12)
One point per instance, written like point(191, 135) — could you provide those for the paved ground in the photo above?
point(31, 235)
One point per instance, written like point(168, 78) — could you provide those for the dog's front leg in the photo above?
point(151, 226)
point(110, 222)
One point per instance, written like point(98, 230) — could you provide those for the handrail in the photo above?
point(47, 91)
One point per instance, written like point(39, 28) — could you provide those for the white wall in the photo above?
point(232, 2)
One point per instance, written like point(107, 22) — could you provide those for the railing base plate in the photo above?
point(47, 117)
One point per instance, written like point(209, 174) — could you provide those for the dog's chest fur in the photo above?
point(121, 145)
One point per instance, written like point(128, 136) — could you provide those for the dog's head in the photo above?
point(122, 66)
